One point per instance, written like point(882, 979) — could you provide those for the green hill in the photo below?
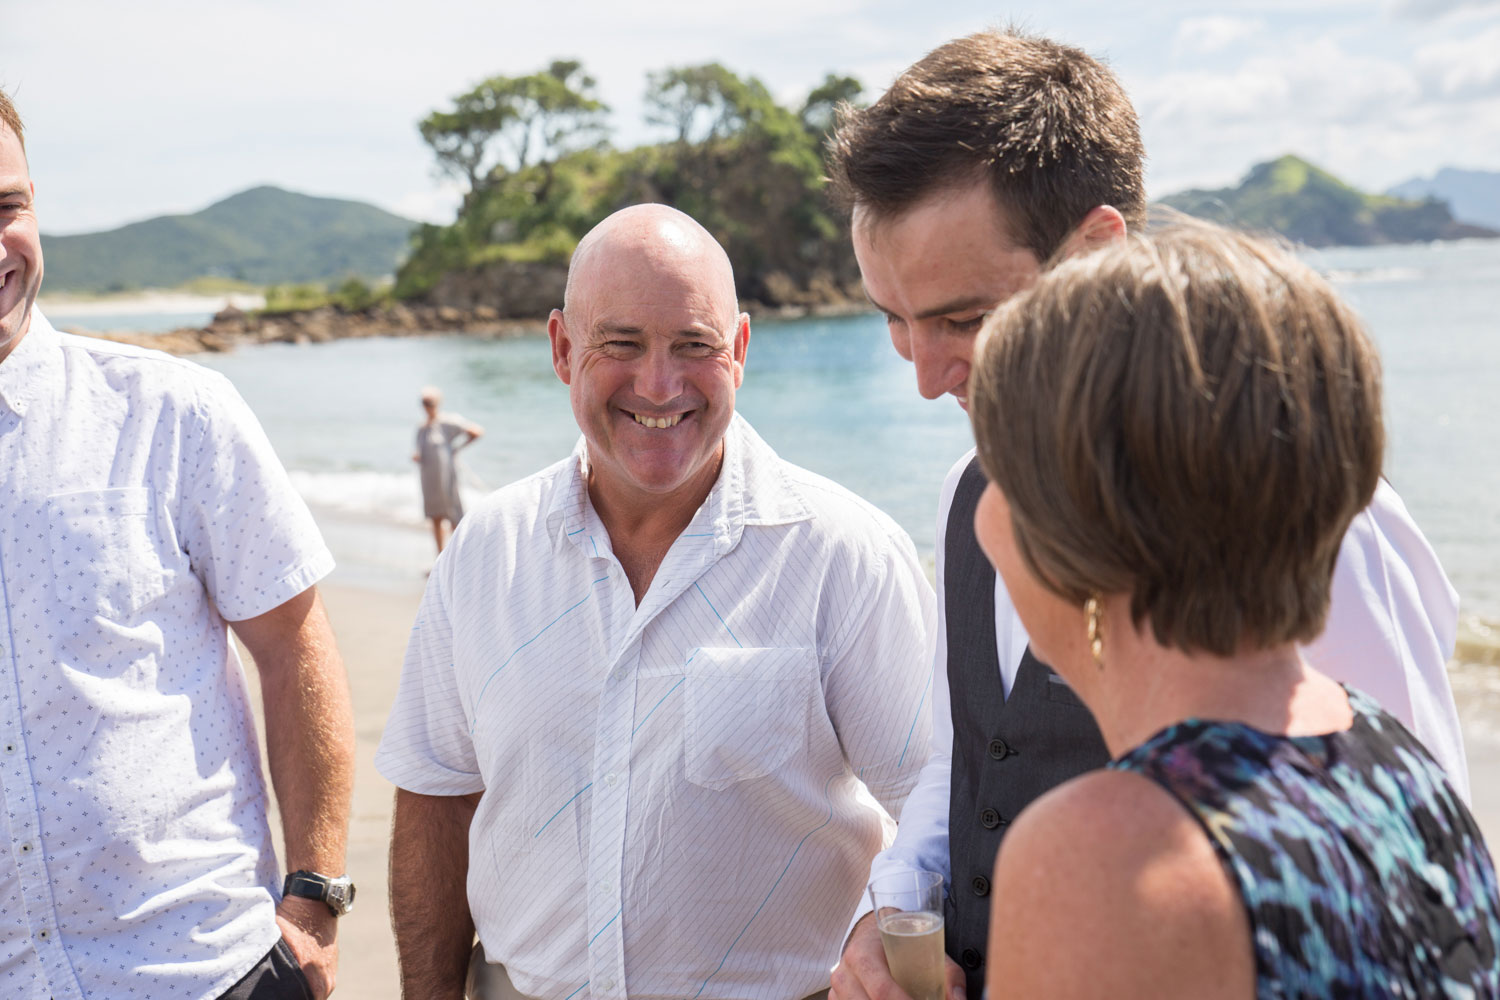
point(1474, 195)
point(263, 236)
point(1304, 203)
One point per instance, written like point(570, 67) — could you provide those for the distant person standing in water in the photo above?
point(439, 438)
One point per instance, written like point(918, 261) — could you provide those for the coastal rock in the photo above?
point(500, 300)
point(510, 289)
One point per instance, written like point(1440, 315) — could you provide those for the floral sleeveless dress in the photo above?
point(1362, 872)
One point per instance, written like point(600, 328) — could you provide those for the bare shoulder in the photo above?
point(1115, 891)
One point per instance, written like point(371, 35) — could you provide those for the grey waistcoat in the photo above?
point(1006, 751)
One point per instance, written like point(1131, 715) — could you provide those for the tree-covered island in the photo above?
point(534, 156)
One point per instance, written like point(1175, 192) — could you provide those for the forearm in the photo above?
point(429, 894)
point(921, 842)
point(309, 738)
point(310, 749)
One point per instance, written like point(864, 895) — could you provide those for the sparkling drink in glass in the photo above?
point(909, 914)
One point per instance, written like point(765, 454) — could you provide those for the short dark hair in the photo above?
point(11, 118)
point(1193, 418)
point(1048, 125)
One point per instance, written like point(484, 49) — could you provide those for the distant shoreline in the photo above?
point(234, 327)
point(146, 302)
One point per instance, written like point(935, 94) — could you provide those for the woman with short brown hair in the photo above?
point(1178, 431)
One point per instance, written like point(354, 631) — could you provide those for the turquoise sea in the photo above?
point(832, 395)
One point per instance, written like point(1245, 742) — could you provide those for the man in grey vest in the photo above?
point(991, 156)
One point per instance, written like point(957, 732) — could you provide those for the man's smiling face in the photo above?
point(20, 244)
point(652, 348)
point(936, 269)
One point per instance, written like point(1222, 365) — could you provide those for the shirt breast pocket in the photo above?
point(747, 712)
point(105, 559)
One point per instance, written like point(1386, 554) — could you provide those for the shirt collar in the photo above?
point(26, 370)
point(752, 488)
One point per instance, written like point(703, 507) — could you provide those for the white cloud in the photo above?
point(209, 98)
point(1315, 82)
point(436, 205)
point(1463, 67)
point(1207, 35)
point(1431, 9)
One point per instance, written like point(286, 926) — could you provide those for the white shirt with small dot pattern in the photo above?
point(143, 507)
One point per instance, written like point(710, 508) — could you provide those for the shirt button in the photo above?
point(998, 749)
point(611, 779)
point(25, 848)
point(10, 748)
point(606, 887)
point(608, 984)
point(43, 934)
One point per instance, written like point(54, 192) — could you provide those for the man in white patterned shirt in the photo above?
point(646, 683)
point(143, 509)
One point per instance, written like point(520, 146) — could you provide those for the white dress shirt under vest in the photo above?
point(1392, 625)
point(669, 802)
point(143, 507)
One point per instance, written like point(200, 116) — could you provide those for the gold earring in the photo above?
point(1096, 637)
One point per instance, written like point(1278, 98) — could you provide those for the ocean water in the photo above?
point(833, 396)
point(72, 317)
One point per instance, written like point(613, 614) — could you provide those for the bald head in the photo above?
point(652, 241)
point(651, 344)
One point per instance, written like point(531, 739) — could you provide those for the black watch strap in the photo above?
point(337, 893)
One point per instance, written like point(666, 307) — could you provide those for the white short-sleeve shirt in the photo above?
point(143, 507)
point(669, 802)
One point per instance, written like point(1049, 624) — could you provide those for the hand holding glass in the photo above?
point(909, 914)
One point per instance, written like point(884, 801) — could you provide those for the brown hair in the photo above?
point(1193, 418)
point(1047, 125)
point(11, 119)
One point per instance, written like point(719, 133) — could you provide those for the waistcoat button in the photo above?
point(971, 959)
point(989, 819)
point(980, 885)
point(998, 749)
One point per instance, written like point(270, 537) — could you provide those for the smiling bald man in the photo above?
point(646, 682)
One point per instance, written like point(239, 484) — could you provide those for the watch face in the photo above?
point(341, 895)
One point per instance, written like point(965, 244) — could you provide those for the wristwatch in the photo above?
point(336, 893)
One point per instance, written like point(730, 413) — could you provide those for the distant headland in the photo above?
point(533, 156)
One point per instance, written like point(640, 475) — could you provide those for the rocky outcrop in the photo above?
point(501, 300)
point(520, 290)
point(512, 290)
point(232, 327)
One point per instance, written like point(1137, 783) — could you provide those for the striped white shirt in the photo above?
point(669, 803)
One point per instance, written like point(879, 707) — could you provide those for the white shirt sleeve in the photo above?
point(876, 688)
point(1392, 627)
point(249, 536)
point(921, 842)
point(427, 746)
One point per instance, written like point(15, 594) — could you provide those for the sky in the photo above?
point(165, 106)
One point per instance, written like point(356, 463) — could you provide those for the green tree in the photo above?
point(354, 295)
point(507, 124)
point(704, 103)
point(823, 101)
point(746, 167)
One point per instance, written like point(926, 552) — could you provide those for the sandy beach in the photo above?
point(146, 302)
point(372, 626)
